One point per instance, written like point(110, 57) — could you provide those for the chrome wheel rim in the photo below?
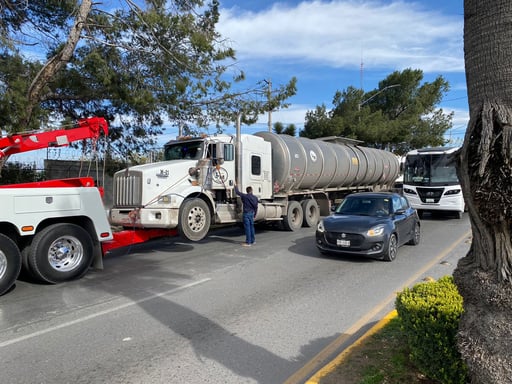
point(3, 265)
point(65, 253)
point(392, 247)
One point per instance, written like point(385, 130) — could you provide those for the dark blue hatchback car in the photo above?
point(370, 224)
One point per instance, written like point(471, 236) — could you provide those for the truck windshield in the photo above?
point(184, 150)
point(427, 170)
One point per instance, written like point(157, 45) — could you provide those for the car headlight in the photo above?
point(375, 231)
point(320, 226)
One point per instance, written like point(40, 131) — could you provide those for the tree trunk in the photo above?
point(53, 65)
point(484, 276)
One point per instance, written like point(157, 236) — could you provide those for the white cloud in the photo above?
point(460, 117)
point(339, 33)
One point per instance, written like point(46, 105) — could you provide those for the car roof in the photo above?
point(373, 194)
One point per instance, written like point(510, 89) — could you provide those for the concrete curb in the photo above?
point(315, 379)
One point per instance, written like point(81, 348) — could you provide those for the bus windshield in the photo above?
point(430, 170)
point(184, 150)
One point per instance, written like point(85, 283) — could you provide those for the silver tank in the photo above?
point(300, 163)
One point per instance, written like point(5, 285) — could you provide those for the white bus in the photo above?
point(431, 182)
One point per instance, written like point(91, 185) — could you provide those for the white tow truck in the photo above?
point(56, 229)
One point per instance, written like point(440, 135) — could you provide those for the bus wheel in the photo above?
point(10, 263)
point(60, 252)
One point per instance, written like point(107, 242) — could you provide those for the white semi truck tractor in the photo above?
point(295, 179)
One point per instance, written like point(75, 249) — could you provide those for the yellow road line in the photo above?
point(312, 365)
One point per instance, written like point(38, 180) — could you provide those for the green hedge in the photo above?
point(430, 313)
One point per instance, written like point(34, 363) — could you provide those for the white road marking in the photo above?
point(98, 314)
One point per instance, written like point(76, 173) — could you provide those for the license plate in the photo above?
point(429, 200)
point(343, 243)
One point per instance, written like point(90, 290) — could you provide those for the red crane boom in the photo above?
point(89, 128)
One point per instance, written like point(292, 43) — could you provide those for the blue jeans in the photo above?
point(249, 227)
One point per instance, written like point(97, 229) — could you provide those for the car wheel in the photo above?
point(416, 235)
point(392, 248)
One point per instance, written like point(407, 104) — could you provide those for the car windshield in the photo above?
point(365, 206)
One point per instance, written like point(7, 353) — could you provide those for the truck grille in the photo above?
point(127, 190)
point(430, 195)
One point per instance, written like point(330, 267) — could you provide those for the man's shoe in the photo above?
point(246, 245)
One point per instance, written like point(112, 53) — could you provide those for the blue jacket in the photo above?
point(249, 201)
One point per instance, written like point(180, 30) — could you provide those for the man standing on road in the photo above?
point(250, 208)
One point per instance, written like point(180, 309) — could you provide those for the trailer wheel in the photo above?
point(194, 219)
point(311, 212)
point(60, 252)
point(294, 216)
point(10, 263)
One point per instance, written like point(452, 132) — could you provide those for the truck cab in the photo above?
point(193, 187)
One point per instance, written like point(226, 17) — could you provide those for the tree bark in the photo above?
point(53, 65)
point(484, 275)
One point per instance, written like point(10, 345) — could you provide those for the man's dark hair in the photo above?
point(248, 189)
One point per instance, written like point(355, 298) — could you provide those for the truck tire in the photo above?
point(10, 263)
point(311, 213)
point(294, 216)
point(60, 252)
point(194, 219)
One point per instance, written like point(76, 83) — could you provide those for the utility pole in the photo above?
point(269, 100)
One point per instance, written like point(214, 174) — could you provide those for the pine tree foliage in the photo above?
point(142, 65)
point(401, 114)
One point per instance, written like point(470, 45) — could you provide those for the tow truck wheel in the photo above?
point(60, 252)
point(10, 263)
point(194, 220)
point(311, 213)
point(294, 216)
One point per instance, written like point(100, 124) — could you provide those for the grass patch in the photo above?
point(382, 358)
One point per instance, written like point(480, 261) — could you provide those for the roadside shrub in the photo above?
point(430, 314)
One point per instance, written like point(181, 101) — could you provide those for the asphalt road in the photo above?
point(213, 311)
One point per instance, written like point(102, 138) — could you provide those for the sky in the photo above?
point(331, 45)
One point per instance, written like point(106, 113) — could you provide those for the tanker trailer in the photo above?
point(311, 175)
point(299, 164)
